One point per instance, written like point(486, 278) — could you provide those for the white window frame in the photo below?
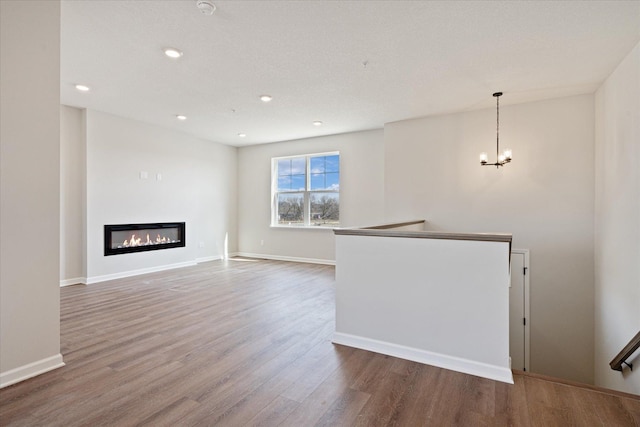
point(306, 193)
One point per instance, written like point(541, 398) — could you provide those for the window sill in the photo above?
point(303, 227)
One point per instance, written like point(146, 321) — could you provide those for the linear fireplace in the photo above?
point(128, 238)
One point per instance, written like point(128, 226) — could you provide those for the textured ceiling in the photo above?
point(353, 65)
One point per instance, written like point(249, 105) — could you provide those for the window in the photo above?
point(306, 190)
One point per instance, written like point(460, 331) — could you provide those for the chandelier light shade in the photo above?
point(501, 158)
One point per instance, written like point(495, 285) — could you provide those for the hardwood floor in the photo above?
point(247, 342)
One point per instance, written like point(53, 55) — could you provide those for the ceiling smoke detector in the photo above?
point(206, 7)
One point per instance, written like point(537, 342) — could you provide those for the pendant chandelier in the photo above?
point(501, 158)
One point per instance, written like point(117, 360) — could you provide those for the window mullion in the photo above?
point(307, 196)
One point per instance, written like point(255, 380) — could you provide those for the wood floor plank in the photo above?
point(511, 406)
point(104, 404)
point(248, 342)
point(325, 395)
point(420, 397)
point(345, 410)
point(273, 414)
point(373, 373)
point(632, 406)
point(281, 377)
point(313, 372)
point(170, 415)
point(586, 406)
point(548, 404)
point(383, 407)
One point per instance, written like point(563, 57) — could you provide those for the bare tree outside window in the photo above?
point(290, 209)
point(325, 209)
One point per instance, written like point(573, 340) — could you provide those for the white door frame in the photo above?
point(527, 308)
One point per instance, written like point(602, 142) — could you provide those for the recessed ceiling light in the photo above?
point(181, 117)
point(265, 98)
point(317, 123)
point(206, 7)
point(172, 53)
point(82, 88)
point(242, 135)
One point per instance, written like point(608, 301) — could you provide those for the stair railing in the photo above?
point(625, 353)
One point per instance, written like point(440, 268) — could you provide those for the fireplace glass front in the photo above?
point(128, 238)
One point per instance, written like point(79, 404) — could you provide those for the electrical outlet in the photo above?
point(201, 245)
point(261, 242)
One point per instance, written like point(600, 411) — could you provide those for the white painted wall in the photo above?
point(198, 185)
point(361, 194)
point(29, 188)
point(617, 237)
point(440, 302)
point(544, 198)
point(73, 177)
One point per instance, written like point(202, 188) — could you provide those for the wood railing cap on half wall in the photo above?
point(387, 230)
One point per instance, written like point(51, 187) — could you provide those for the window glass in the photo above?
point(298, 166)
point(299, 201)
point(298, 182)
point(332, 163)
point(292, 174)
point(284, 167)
point(325, 173)
point(325, 209)
point(291, 209)
point(317, 164)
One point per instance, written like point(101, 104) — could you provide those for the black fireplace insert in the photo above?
point(128, 238)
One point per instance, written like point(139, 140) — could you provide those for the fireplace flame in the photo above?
point(137, 241)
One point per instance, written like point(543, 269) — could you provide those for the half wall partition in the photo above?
point(432, 297)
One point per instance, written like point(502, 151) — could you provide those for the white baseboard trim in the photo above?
point(98, 279)
point(30, 370)
point(288, 258)
point(104, 278)
point(74, 281)
point(452, 363)
point(208, 259)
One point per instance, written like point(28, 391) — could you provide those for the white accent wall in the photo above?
point(617, 237)
point(361, 195)
point(29, 189)
point(187, 179)
point(545, 198)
